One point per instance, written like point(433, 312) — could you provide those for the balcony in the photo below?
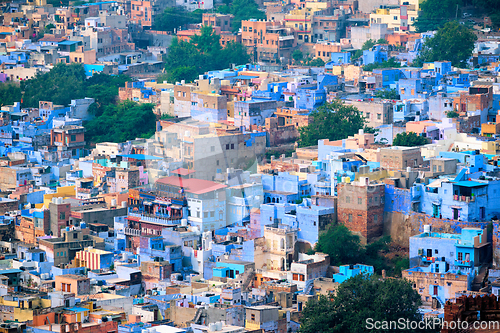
point(132, 232)
point(159, 219)
point(429, 260)
point(464, 263)
point(463, 198)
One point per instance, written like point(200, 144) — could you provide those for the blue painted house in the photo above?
point(348, 271)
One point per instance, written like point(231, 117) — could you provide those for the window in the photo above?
point(350, 217)
point(379, 116)
point(205, 215)
point(62, 215)
point(75, 235)
point(253, 315)
point(395, 18)
point(227, 146)
point(348, 199)
point(460, 256)
point(212, 214)
point(435, 251)
point(232, 145)
point(375, 218)
point(212, 149)
point(360, 201)
point(73, 138)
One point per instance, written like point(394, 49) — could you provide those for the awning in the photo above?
point(456, 207)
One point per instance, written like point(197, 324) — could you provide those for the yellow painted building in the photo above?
point(22, 309)
point(301, 20)
point(62, 192)
point(399, 18)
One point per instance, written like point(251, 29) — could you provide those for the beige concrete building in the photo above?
point(399, 158)
point(376, 113)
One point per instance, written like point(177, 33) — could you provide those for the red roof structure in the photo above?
point(191, 185)
point(183, 171)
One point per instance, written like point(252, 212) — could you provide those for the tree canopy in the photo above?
point(341, 245)
point(387, 94)
point(121, 122)
point(410, 139)
point(391, 63)
point(186, 60)
point(344, 248)
point(333, 121)
point(297, 56)
point(176, 17)
point(360, 301)
point(242, 10)
point(112, 122)
point(316, 62)
point(9, 93)
point(60, 85)
point(453, 42)
point(435, 13)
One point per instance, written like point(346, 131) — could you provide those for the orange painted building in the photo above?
point(141, 13)
point(268, 40)
point(325, 50)
point(401, 39)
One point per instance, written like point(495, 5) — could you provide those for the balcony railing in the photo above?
point(429, 259)
point(132, 232)
point(157, 219)
point(464, 263)
point(463, 198)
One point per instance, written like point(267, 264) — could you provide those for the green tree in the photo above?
point(341, 245)
point(186, 60)
point(297, 56)
point(121, 122)
point(9, 93)
point(174, 18)
point(370, 130)
point(104, 89)
point(357, 54)
point(242, 10)
point(162, 77)
point(391, 63)
point(453, 42)
point(382, 41)
point(452, 114)
point(368, 45)
point(233, 53)
point(358, 301)
point(48, 27)
point(316, 62)
point(387, 94)
point(187, 73)
point(60, 85)
point(410, 139)
point(435, 13)
point(333, 121)
point(207, 42)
